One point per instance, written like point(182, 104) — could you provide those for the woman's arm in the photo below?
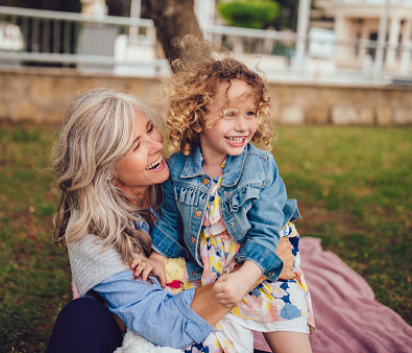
point(207, 306)
point(158, 316)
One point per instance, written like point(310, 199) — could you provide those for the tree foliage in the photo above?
point(249, 13)
point(68, 5)
point(288, 16)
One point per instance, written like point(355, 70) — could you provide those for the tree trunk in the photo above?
point(173, 18)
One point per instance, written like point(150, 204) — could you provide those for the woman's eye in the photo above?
point(150, 128)
point(137, 146)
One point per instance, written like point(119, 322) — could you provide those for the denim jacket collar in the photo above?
point(233, 169)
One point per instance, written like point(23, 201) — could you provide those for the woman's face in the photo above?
point(144, 164)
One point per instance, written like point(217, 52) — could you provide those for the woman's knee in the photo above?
point(85, 325)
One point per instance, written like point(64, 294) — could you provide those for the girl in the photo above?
point(226, 204)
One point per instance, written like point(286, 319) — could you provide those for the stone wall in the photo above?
point(320, 104)
point(41, 95)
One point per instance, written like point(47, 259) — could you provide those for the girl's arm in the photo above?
point(229, 288)
point(266, 218)
point(206, 304)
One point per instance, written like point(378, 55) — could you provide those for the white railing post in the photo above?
point(406, 58)
point(393, 42)
point(135, 11)
point(303, 23)
point(381, 37)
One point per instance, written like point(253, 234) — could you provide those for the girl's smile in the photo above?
point(237, 141)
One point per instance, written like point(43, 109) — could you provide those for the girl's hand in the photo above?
point(231, 288)
point(144, 267)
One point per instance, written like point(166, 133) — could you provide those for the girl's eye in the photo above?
point(228, 114)
point(250, 114)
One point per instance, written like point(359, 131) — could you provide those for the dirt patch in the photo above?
point(317, 220)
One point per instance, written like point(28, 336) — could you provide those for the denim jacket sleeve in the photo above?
point(266, 218)
point(167, 233)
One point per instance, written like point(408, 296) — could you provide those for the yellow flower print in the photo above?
point(215, 264)
point(303, 285)
point(235, 311)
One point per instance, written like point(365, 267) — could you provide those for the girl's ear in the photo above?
point(198, 129)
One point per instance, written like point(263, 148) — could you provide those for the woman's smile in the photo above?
point(157, 166)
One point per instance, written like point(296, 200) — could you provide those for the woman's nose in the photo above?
point(154, 145)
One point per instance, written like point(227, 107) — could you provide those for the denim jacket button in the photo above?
point(205, 181)
point(192, 239)
point(271, 273)
point(225, 193)
point(232, 224)
point(195, 273)
point(198, 213)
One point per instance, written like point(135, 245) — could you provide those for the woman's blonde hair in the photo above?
point(193, 86)
point(97, 131)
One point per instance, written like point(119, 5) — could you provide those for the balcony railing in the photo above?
point(127, 46)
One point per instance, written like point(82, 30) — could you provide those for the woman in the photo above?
point(109, 165)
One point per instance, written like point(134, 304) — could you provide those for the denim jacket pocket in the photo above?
point(238, 207)
point(243, 199)
point(186, 195)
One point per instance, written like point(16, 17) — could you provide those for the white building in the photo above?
point(371, 20)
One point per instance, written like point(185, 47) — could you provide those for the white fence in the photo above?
point(128, 46)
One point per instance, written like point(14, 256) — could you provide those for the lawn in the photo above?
point(353, 186)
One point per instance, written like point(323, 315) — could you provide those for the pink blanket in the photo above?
point(347, 317)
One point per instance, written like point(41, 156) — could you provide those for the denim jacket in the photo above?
point(253, 206)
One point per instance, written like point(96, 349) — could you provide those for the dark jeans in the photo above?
point(85, 325)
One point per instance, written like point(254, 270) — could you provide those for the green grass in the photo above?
point(353, 186)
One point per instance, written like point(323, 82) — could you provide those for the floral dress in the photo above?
point(271, 306)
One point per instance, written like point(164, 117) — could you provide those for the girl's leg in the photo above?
point(288, 342)
point(85, 325)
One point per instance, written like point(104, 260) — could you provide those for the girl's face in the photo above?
point(144, 164)
point(233, 112)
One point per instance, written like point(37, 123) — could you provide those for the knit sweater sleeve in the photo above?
point(92, 263)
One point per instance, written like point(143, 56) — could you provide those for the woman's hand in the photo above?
point(154, 265)
point(284, 251)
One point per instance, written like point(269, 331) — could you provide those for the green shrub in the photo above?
point(249, 13)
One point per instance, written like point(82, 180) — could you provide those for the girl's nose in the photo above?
point(241, 124)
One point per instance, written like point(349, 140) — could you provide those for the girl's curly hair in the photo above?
point(195, 83)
